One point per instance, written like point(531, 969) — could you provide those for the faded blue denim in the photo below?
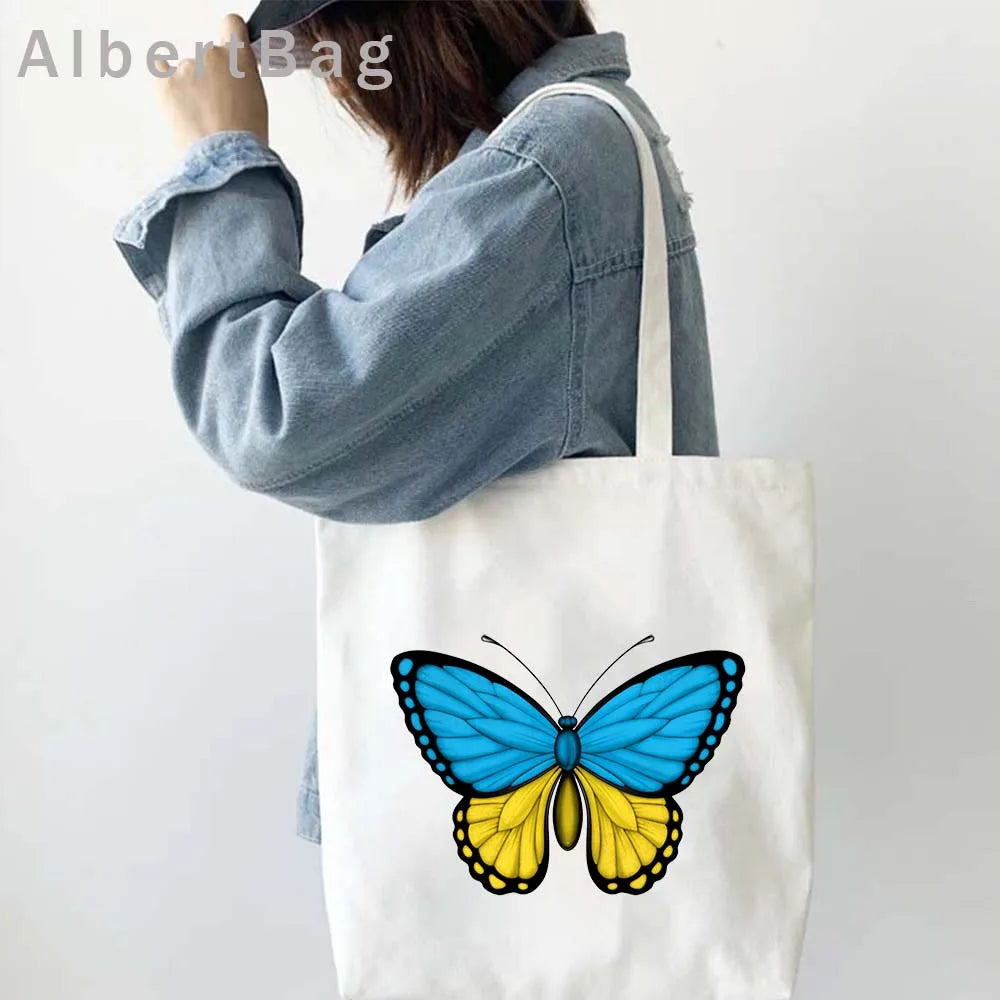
point(489, 330)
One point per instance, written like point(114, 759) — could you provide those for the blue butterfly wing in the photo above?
point(478, 733)
point(656, 732)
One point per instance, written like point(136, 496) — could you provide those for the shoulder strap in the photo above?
point(654, 392)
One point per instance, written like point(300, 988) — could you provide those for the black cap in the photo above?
point(273, 15)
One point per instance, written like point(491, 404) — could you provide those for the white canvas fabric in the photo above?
point(443, 875)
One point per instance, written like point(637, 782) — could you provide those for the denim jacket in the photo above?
point(487, 331)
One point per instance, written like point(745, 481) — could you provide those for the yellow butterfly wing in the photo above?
point(504, 838)
point(631, 838)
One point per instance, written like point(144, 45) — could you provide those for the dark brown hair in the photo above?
point(449, 60)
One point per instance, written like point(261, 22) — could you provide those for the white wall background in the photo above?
point(157, 640)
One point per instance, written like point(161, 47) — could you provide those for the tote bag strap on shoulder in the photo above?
point(654, 391)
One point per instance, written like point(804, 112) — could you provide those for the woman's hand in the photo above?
point(217, 100)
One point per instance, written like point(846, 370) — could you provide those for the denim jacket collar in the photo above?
point(582, 55)
point(601, 54)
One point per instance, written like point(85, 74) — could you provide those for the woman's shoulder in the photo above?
point(588, 152)
point(570, 160)
point(578, 138)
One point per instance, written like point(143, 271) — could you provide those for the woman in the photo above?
point(487, 331)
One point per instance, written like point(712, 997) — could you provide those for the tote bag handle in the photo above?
point(654, 390)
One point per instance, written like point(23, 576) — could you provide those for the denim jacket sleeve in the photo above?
point(440, 365)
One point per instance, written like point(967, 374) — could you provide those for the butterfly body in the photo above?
point(512, 764)
point(567, 812)
point(568, 747)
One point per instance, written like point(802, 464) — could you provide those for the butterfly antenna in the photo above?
point(648, 638)
point(487, 638)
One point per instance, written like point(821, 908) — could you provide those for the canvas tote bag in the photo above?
point(493, 828)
